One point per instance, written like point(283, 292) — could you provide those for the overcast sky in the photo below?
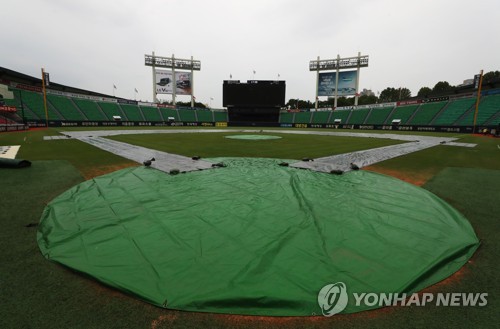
point(93, 44)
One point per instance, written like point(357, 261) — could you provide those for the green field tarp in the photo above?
point(254, 237)
point(14, 163)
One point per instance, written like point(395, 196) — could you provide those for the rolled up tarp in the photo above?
point(14, 163)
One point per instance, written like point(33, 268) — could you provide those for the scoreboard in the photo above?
point(253, 94)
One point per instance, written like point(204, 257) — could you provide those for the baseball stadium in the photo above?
point(120, 213)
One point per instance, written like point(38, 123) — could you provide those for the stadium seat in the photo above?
point(488, 108)
point(205, 116)
point(343, 115)
point(220, 116)
point(187, 115)
point(454, 111)
point(90, 109)
point(378, 116)
point(321, 117)
point(132, 112)
point(402, 113)
point(110, 110)
point(358, 116)
point(303, 117)
point(426, 112)
point(66, 107)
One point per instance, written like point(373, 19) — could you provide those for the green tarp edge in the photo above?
point(14, 163)
point(254, 238)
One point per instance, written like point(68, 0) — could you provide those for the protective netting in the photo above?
point(254, 237)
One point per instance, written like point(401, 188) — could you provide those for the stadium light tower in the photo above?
point(165, 82)
point(328, 84)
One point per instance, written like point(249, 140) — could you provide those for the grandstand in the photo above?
point(303, 117)
point(150, 113)
point(402, 113)
point(379, 116)
point(78, 106)
point(320, 117)
point(132, 113)
point(110, 109)
point(167, 113)
point(187, 115)
point(205, 116)
point(425, 113)
point(453, 111)
point(358, 117)
point(488, 109)
point(343, 116)
point(90, 109)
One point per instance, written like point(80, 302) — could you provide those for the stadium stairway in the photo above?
point(64, 107)
point(453, 111)
point(488, 107)
point(413, 114)
point(343, 115)
point(495, 120)
point(426, 113)
point(78, 109)
point(402, 113)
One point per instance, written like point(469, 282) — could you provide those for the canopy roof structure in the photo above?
point(254, 237)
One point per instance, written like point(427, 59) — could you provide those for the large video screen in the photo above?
point(165, 82)
point(253, 93)
point(347, 83)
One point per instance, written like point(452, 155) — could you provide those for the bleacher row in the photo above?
point(61, 108)
point(457, 112)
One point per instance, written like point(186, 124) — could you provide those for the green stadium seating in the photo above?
point(488, 107)
point(187, 115)
point(426, 112)
point(340, 114)
point(321, 116)
point(303, 117)
point(403, 113)
point(286, 117)
point(167, 113)
point(151, 113)
point(358, 116)
point(66, 107)
point(220, 116)
point(16, 102)
point(90, 109)
point(110, 110)
point(34, 101)
point(378, 116)
point(454, 111)
point(495, 121)
point(204, 116)
point(132, 112)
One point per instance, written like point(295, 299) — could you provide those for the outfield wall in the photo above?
point(450, 129)
point(8, 127)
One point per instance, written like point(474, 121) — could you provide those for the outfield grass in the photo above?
point(288, 147)
point(35, 293)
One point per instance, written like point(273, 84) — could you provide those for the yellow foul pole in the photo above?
point(45, 99)
point(477, 100)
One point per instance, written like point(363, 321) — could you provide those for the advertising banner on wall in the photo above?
point(347, 83)
point(165, 82)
